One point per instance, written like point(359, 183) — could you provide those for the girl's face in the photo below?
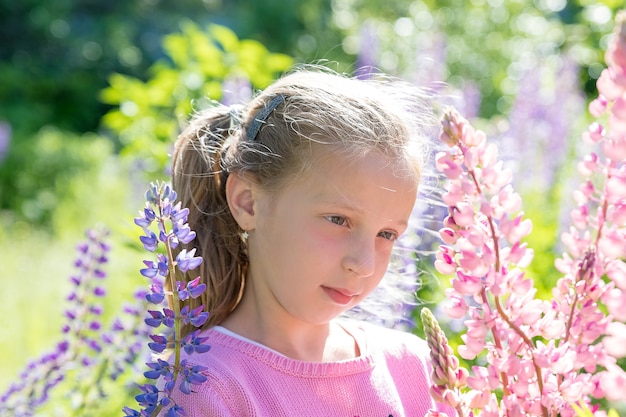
point(322, 244)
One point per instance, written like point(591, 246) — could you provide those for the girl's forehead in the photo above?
point(373, 163)
point(371, 170)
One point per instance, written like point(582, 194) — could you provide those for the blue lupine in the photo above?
point(159, 267)
point(196, 288)
point(183, 233)
point(129, 412)
point(149, 241)
point(186, 260)
point(162, 209)
point(156, 320)
point(191, 375)
point(175, 411)
point(151, 270)
point(193, 289)
point(197, 317)
point(158, 369)
point(179, 214)
point(194, 343)
point(149, 395)
point(159, 343)
point(157, 295)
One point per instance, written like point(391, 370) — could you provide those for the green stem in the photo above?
point(176, 307)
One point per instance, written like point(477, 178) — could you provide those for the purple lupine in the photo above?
point(429, 63)
point(367, 58)
point(84, 308)
point(170, 221)
point(35, 381)
point(236, 90)
point(539, 125)
point(125, 340)
point(470, 104)
point(86, 355)
point(5, 139)
point(44, 373)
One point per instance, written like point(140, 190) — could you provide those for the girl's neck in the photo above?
point(328, 342)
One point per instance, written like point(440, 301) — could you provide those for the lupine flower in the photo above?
point(447, 375)
point(88, 354)
point(236, 90)
point(170, 221)
point(367, 58)
point(544, 357)
point(5, 139)
point(535, 142)
point(125, 339)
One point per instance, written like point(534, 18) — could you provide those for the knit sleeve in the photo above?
point(223, 394)
point(204, 402)
point(408, 359)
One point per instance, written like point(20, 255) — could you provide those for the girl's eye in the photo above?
point(338, 220)
point(385, 234)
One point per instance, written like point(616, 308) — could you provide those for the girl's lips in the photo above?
point(339, 295)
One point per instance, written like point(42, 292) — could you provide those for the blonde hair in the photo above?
point(344, 115)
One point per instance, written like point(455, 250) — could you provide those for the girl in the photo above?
point(297, 199)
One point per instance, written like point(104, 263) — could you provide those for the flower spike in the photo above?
point(170, 221)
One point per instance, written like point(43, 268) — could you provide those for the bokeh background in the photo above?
point(93, 92)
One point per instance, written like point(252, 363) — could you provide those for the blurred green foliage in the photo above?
point(56, 161)
point(147, 115)
point(56, 58)
point(486, 43)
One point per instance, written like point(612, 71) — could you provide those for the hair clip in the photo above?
point(262, 115)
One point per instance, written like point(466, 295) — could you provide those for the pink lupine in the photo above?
point(456, 307)
point(448, 377)
point(543, 357)
point(445, 262)
point(615, 340)
point(615, 301)
point(482, 269)
point(613, 382)
point(616, 271)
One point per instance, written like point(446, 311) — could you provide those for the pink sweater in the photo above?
point(389, 379)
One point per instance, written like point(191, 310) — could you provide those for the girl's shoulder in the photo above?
point(390, 342)
point(376, 331)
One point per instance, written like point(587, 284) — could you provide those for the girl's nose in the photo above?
point(360, 257)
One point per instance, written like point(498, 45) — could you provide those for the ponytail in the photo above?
point(199, 178)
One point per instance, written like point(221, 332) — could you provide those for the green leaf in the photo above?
point(226, 37)
point(176, 47)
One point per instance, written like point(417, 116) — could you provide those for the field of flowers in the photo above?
point(542, 337)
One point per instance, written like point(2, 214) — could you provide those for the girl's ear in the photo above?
point(240, 194)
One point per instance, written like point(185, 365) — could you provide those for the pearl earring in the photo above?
point(244, 235)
